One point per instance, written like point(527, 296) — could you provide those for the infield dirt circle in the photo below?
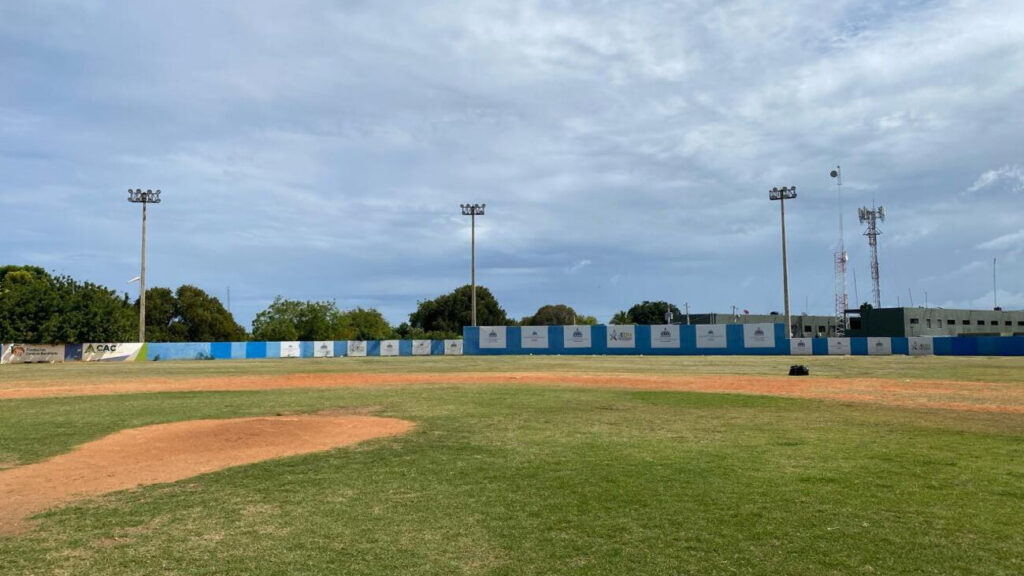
point(171, 452)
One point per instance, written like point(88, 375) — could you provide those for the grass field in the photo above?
point(528, 479)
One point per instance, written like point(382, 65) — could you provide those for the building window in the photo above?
point(1020, 322)
point(966, 322)
point(981, 322)
point(994, 322)
point(821, 329)
point(808, 328)
point(951, 322)
point(929, 322)
point(1008, 323)
point(915, 320)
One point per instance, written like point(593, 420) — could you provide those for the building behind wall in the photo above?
point(900, 322)
point(804, 325)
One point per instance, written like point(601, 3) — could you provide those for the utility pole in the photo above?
point(473, 210)
point(137, 196)
point(782, 194)
point(841, 258)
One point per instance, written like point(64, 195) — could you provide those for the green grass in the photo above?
point(540, 480)
point(975, 369)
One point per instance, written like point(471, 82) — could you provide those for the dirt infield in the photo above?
point(171, 452)
point(974, 396)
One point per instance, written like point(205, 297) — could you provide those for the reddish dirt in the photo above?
point(171, 452)
point(974, 396)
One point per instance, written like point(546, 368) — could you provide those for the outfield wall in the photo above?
point(716, 339)
point(671, 340)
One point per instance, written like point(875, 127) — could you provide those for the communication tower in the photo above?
point(842, 301)
point(872, 216)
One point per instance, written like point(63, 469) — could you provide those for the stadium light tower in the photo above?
point(782, 194)
point(473, 210)
point(137, 196)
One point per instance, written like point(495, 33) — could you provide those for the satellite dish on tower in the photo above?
point(833, 174)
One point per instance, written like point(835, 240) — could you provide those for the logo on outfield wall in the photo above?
point(94, 348)
point(801, 344)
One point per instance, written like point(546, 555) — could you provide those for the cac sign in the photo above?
point(111, 351)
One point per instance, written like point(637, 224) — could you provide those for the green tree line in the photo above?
point(37, 307)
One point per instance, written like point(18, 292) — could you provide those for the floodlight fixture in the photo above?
point(144, 197)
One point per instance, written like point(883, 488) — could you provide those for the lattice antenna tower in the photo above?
point(842, 300)
point(872, 216)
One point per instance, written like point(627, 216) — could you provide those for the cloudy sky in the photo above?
point(625, 149)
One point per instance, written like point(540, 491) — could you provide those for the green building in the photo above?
point(934, 322)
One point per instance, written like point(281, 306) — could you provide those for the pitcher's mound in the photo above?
point(171, 452)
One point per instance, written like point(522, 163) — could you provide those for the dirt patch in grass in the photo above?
point(171, 452)
point(973, 396)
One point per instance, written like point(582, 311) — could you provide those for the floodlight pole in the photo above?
point(782, 194)
point(473, 210)
point(137, 196)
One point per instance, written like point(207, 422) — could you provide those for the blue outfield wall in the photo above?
point(726, 339)
point(736, 342)
point(729, 341)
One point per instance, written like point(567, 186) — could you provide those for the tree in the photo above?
point(188, 314)
point(38, 308)
point(362, 324)
point(647, 313)
point(556, 315)
point(309, 321)
point(204, 317)
point(446, 315)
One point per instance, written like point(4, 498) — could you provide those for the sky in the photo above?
point(319, 150)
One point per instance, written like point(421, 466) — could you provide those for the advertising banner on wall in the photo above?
point(291, 350)
point(879, 346)
point(920, 346)
point(453, 347)
point(356, 348)
point(323, 349)
point(711, 336)
point(759, 336)
point(839, 346)
point(535, 337)
point(801, 347)
point(421, 347)
point(492, 337)
point(577, 337)
point(665, 336)
point(111, 351)
point(32, 353)
point(621, 336)
point(389, 347)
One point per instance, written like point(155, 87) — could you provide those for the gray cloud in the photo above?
point(320, 150)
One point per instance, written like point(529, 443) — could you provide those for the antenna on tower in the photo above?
point(872, 216)
point(842, 301)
